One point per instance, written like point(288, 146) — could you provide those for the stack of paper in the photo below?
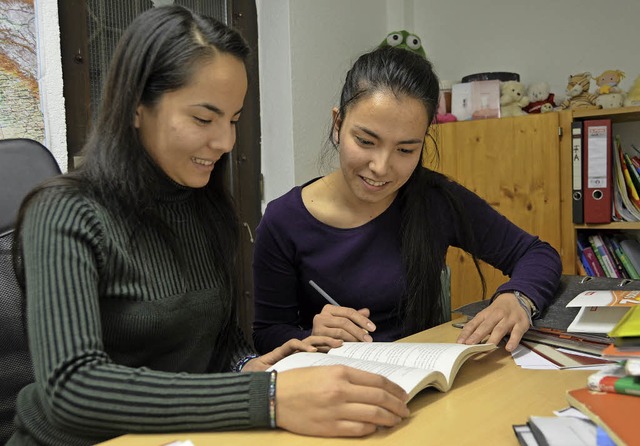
point(601, 310)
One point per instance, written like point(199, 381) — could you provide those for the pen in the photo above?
point(323, 293)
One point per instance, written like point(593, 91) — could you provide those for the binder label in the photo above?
point(597, 157)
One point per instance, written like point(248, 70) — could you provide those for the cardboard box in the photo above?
point(476, 100)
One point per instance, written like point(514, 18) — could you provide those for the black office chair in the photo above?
point(23, 164)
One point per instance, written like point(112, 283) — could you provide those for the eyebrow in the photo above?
point(214, 109)
point(375, 135)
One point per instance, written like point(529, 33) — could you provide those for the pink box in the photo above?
point(476, 100)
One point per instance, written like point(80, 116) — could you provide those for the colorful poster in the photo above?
point(20, 112)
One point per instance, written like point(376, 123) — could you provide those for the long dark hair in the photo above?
point(157, 54)
point(403, 72)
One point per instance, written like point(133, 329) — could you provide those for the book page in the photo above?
point(410, 379)
point(596, 319)
point(445, 357)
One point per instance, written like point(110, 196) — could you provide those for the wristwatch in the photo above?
point(533, 310)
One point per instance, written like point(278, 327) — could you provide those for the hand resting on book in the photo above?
point(349, 398)
point(331, 401)
point(503, 317)
point(337, 401)
point(310, 344)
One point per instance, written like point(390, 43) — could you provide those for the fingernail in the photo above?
point(368, 338)
point(370, 326)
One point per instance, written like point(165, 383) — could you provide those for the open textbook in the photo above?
point(413, 366)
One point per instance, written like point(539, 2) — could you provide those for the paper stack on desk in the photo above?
point(601, 310)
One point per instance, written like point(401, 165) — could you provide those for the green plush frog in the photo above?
point(404, 39)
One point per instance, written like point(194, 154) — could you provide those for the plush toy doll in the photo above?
point(541, 98)
point(608, 81)
point(404, 39)
point(633, 97)
point(512, 98)
point(578, 96)
point(610, 100)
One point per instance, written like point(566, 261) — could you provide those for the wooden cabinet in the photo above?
point(522, 167)
point(516, 165)
point(625, 122)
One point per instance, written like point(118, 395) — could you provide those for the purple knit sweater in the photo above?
point(362, 267)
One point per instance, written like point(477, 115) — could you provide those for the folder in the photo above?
point(597, 181)
point(617, 414)
point(576, 156)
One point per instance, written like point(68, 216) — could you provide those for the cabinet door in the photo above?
point(514, 164)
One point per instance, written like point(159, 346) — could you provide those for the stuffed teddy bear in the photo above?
point(608, 81)
point(633, 97)
point(541, 98)
point(512, 98)
point(578, 96)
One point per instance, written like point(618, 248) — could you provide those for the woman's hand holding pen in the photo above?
point(309, 344)
point(504, 316)
point(339, 322)
point(342, 401)
point(343, 323)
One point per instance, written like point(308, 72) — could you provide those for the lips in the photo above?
point(374, 183)
point(202, 162)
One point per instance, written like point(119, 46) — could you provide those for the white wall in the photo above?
point(542, 40)
point(305, 49)
point(50, 80)
point(276, 102)
point(306, 46)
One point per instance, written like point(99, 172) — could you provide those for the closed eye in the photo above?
point(201, 121)
point(363, 142)
point(407, 151)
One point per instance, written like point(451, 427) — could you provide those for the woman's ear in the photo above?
point(336, 119)
point(136, 118)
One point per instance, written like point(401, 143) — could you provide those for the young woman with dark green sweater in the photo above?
point(129, 266)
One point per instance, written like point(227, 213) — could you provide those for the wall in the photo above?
point(306, 47)
point(50, 80)
point(543, 40)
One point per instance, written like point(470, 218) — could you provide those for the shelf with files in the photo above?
point(625, 122)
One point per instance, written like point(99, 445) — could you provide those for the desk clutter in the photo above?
point(594, 322)
point(595, 418)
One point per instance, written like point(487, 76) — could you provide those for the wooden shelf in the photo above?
point(619, 225)
point(623, 114)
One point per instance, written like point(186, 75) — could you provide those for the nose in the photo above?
point(379, 163)
point(223, 138)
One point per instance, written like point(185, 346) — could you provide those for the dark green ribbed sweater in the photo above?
point(122, 338)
